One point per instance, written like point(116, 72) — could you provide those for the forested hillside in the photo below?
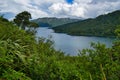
point(24, 58)
point(53, 22)
point(103, 25)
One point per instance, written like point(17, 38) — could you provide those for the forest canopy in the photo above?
point(24, 58)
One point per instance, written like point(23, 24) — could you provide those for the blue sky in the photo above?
point(70, 1)
point(59, 8)
point(8, 15)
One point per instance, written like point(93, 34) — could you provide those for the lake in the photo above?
point(71, 44)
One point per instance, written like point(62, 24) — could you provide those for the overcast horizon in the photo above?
point(59, 8)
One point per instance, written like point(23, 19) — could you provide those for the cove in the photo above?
point(71, 44)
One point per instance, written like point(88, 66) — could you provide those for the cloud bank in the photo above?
point(60, 8)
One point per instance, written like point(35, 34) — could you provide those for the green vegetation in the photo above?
point(22, 20)
point(24, 58)
point(103, 25)
point(53, 22)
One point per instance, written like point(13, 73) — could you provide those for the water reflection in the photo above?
point(71, 44)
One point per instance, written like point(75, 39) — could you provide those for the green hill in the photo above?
point(103, 25)
point(52, 22)
point(24, 58)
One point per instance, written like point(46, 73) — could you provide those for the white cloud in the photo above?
point(60, 8)
point(94, 10)
point(64, 9)
point(83, 1)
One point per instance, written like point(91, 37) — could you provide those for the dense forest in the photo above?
point(22, 57)
point(103, 25)
point(53, 21)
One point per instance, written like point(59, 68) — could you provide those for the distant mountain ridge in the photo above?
point(53, 21)
point(103, 25)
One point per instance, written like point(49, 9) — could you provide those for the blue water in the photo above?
point(71, 44)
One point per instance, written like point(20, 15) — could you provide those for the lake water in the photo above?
point(71, 44)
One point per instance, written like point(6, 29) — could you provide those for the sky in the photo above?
point(58, 8)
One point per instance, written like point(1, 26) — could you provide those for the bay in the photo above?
point(71, 44)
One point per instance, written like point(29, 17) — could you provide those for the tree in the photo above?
point(2, 17)
point(32, 27)
point(22, 19)
point(117, 31)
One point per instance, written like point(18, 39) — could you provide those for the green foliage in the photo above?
point(33, 24)
point(103, 61)
point(103, 25)
point(3, 19)
point(14, 75)
point(22, 57)
point(53, 22)
point(22, 19)
point(117, 31)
